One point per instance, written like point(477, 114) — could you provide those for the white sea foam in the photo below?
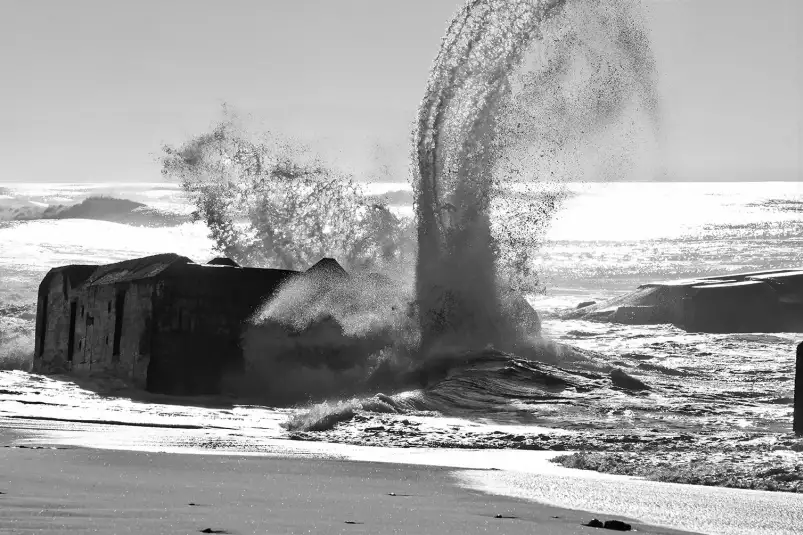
point(711, 510)
point(40, 245)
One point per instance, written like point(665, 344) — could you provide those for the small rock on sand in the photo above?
point(617, 525)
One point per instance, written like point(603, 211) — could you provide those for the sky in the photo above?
point(91, 89)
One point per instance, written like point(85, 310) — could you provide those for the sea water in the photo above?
point(605, 240)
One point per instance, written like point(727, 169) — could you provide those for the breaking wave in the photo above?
point(100, 208)
point(519, 91)
point(561, 72)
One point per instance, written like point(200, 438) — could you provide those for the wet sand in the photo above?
point(38, 414)
point(82, 490)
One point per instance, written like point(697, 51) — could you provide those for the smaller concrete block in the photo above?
point(759, 301)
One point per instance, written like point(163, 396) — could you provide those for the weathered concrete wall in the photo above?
point(160, 322)
point(199, 313)
point(744, 306)
point(96, 328)
point(196, 339)
point(56, 292)
point(52, 328)
point(789, 287)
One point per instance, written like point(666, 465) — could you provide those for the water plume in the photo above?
point(475, 95)
point(518, 88)
point(454, 142)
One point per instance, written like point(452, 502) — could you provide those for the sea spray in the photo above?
point(584, 102)
point(327, 333)
point(480, 216)
point(270, 202)
point(15, 350)
point(456, 271)
point(464, 127)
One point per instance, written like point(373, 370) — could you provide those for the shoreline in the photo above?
point(527, 478)
point(111, 491)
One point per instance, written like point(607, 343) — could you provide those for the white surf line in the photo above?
point(531, 476)
point(710, 510)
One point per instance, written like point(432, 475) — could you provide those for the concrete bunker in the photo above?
point(163, 322)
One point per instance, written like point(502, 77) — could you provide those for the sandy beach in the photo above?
point(68, 460)
point(80, 490)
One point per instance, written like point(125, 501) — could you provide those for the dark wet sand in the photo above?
point(101, 491)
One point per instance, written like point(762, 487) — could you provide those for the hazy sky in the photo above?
point(90, 89)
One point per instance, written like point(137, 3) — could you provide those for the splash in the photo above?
point(326, 334)
point(15, 349)
point(513, 77)
point(464, 130)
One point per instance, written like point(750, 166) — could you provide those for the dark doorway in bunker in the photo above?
point(89, 339)
point(43, 328)
point(119, 307)
point(71, 335)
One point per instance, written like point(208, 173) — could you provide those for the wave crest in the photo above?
point(98, 208)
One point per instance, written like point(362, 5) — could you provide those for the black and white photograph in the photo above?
point(369, 267)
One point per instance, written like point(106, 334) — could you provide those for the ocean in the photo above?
point(713, 400)
point(605, 239)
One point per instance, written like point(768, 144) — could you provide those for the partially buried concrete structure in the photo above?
point(766, 301)
point(163, 322)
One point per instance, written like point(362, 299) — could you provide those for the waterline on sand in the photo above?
point(527, 475)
